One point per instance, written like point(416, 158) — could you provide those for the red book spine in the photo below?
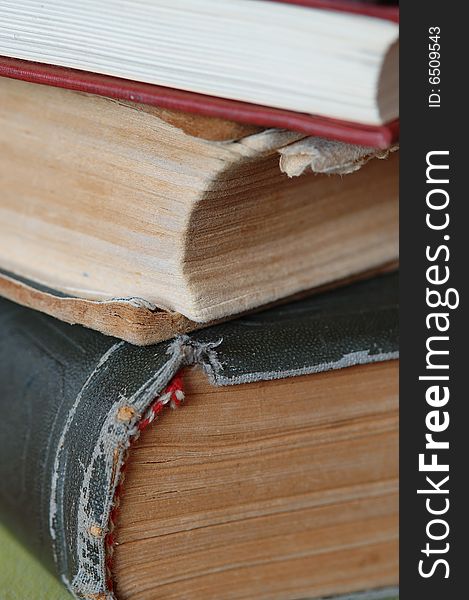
point(145, 93)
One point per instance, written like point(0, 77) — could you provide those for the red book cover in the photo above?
point(114, 87)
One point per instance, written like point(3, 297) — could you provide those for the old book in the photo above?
point(313, 65)
point(124, 218)
point(276, 477)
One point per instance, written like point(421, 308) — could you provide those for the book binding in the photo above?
point(73, 400)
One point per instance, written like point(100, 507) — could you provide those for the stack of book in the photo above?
point(198, 211)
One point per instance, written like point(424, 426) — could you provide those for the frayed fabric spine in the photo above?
point(172, 396)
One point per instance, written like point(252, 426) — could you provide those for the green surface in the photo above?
point(22, 577)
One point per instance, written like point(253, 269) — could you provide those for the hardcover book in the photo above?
point(127, 219)
point(276, 475)
point(323, 67)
